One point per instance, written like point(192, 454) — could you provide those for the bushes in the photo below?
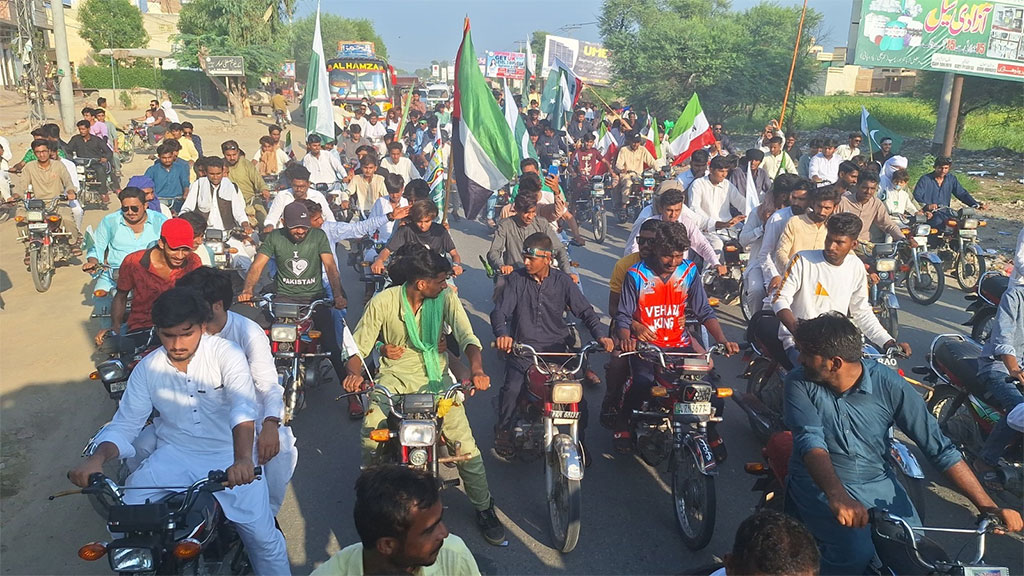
point(172, 81)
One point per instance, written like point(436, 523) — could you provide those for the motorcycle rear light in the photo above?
point(731, 248)
point(951, 223)
point(380, 435)
point(754, 468)
point(92, 551)
point(284, 333)
point(187, 549)
point(566, 392)
point(712, 301)
point(417, 433)
point(100, 293)
point(885, 264)
point(314, 334)
point(723, 392)
point(659, 392)
point(54, 218)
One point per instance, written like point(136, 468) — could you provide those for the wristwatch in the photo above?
point(273, 419)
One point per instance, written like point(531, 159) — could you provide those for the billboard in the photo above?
point(962, 36)
point(510, 65)
point(349, 49)
point(590, 61)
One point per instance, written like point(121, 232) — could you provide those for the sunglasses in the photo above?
point(127, 209)
point(642, 240)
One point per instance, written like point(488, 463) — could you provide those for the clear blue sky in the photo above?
point(418, 31)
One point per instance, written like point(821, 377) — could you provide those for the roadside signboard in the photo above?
point(510, 65)
point(590, 61)
point(225, 65)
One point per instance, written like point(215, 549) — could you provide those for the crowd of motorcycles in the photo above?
point(188, 531)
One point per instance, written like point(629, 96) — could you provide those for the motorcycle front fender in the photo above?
point(903, 458)
point(931, 257)
point(700, 451)
point(567, 454)
point(892, 301)
point(977, 249)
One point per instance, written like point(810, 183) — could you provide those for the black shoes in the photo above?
point(490, 526)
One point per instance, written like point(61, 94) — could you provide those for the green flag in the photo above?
point(875, 133)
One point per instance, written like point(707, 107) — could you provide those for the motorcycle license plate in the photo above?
point(693, 408)
point(598, 193)
point(37, 226)
point(34, 216)
point(565, 414)
point(118, 386)
point(921, 240)
point(648, 182)
point(968, 233)
point(744, 256)
point(220, 258)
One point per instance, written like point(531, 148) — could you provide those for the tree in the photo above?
point(253, 29)
point(111, 24)
point(333, 29)
point(978, 93)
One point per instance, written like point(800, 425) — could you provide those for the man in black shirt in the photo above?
point(86, 145)
point(549, 143)
point(420, 228)
point(529, 310)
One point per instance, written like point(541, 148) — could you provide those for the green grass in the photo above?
point(909, 117)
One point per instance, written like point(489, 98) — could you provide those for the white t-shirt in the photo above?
point(383, 207)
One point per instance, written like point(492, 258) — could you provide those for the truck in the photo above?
point(357, 72)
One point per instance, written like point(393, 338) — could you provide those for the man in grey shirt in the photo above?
point(506, 251)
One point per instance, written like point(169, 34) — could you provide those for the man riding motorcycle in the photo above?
point(934, 191)
point(631, 163)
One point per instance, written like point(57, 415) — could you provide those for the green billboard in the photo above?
point(976, 38)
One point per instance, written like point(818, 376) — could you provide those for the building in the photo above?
point(12, 58)
point(159, 18)
point(837, 77)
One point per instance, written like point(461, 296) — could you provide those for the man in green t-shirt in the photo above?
point(301, 253)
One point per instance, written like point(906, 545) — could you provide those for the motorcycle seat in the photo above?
point(993, 287)
point(960, 359)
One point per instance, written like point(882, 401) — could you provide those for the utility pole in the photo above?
point(943, 113)
point(953, 115)
point(31, 68)
point(67, 93)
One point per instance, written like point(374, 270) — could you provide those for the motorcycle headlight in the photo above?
point(111, 370)
point(598, 188)
point(80, 169)
point(284, 333)
point(131, 560)
point(970, 224)
point(885, 264)
point(34, 216)
point(648, 182)
point(417, 433)
point(922, 230)
point(216, 247)
point(566, 392)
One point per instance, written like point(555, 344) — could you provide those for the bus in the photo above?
point(358, 73)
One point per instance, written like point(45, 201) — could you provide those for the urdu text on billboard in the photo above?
point(962, 36)
point(588, 60)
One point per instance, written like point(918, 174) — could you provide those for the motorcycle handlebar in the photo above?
point(526, 350)
point(648, 349)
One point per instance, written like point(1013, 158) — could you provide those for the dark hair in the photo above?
point(366, 149)
point(528, 162)
point(313, 206)
point(395, 146)
point(421, 264)
point(867, 176)
point(173, 145)
point(589, 137)
point(900, 175)
point(805, 184)
point(754, 154)
point(210, 161)
point(133, 192)
point(844, 224)
point(178, 306)
point(671, 237)
point(846, 166)
point(671, 197)
point(784, 183)
point(823, 194)
point(81, 123)
point(273, 128)
point(418, 189)
point(853, 135)
point(98, 111)
point(40, 142)
point(830, 335)
point(214, 285)
point(775, 140)
point(422, 209)
point(174, 127)
point(525, 201)
point(297, 172)
point(529, 183)
point(942, 161)
point(101, 102)
point(860, 160)
point(187, 125)
point(52, 130)
point(197, 220)
point(770, 542)
point(720, 162)
point(266, 140)
point(539, 240)
point(88, 110)
point(394, 183)
point(370, 158)
point(828, 143)
point(228, 145)
point(651, 224)
point(354, 128)
point(699, 156)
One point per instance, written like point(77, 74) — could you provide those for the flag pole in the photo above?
point(449, 181)
point(792, 66)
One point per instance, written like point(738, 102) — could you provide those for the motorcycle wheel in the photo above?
point(969, 269)
point(126, 154)
point(955, 419)
point(929, 288)
point(600, 226)
point(766, 385)
point(565, 501)
point(693, 494)
point(41, 267)
point(889, 318)
point(744, 307)
point(983, 324)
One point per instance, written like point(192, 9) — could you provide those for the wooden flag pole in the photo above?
point(448, 184)
point(792, 66)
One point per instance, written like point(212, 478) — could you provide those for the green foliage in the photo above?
point(234, 28)
point(333, 29)
point(111, 24)
point(979, 95)
point(140, 76)
point(126, 100)
point(664, 50)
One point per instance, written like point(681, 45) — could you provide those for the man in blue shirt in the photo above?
point(935, 189)
point(170, 178)
point(840, 408)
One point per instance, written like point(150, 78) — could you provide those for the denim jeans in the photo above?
point(1007, 396)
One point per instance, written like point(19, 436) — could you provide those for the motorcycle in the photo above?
point(961, 403)
point(903, 549)
point(590, 208)
point(984, 303)
point(413, 434)
point(296, 349)
point(280, 119)
point(882, 294)
point(47, 242)
point(728, 288)
point(957, 245)
point(673, 425)
point(223, 255)
point(131, 348)
point(189, 98)
point(641, 194)
point(547, 425)
point(919, 270)
point(94, 182)
point(135, 139)
point(183, 533)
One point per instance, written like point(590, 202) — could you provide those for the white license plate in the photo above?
point(37, 226)
point(34, 216)
point(118, 386)
point(922, 241)
point(744, 256)
point(968, 233)
point(693, 408)
point(648, 182)
point(220, 258)
point(565, 414)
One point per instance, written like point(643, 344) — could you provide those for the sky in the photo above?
point(418, 31)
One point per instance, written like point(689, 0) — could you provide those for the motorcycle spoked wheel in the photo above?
point(41, 267)
point(565, 502)
point(929, 288)
point(959, 425)
point(983, 325)
point(600, 226)
point(969, 269)
point(889, 318)
point(693, 497)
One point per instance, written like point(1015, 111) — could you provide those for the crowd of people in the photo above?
point(802, 218)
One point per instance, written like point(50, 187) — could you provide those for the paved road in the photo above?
point(50, 408)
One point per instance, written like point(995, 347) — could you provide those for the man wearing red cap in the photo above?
point(148, 274)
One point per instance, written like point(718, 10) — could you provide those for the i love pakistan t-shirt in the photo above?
point(299, 268)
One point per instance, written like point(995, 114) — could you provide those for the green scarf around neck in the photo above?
point(431, 315)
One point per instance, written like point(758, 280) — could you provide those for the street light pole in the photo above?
point(67, 93)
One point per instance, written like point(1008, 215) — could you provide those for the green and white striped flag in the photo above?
point(316, 102)
point(518, 127)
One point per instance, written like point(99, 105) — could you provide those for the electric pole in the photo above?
point(67, 93)
point(32, 72)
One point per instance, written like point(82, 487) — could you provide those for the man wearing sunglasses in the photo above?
point(120, 233)
point(851, 148)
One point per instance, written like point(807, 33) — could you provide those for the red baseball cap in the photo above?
point(177, 233)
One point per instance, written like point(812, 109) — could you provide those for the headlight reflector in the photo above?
point(417, 433)
point(566, 392)
point(131, 560)
point(284, 333)
point(885, 264)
